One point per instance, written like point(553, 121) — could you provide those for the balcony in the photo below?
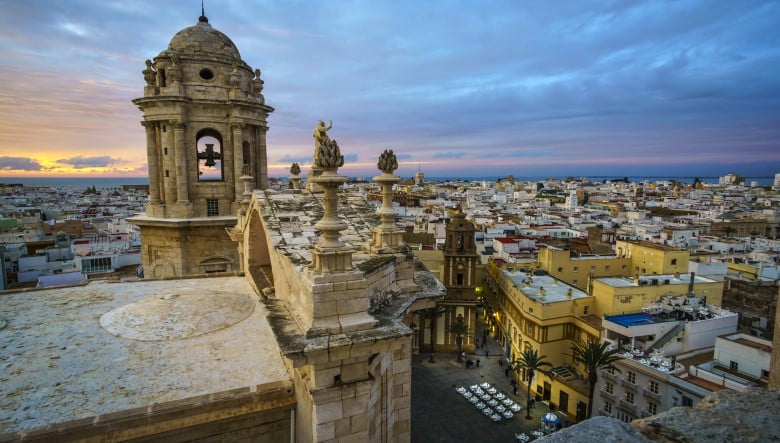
point(646, 413)
point(607, 395)
point(605, 413)
point(608, 376)
point(651, 395)
point(628, 407)
point(629, 385)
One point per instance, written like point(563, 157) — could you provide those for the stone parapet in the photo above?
point(725, 416)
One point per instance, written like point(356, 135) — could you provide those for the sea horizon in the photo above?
point(116, 182)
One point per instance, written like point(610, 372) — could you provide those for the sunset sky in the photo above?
point(458, 87)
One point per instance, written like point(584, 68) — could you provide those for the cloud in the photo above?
point(352, 158)
point(296, 159)
point(80, 162)
point(403, 156)
point(19, 164)
point(449, 154)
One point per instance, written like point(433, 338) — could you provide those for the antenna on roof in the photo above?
point(202, 17)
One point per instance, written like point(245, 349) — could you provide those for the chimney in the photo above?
point(690, 283)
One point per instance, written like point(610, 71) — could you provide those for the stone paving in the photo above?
point(440, 414)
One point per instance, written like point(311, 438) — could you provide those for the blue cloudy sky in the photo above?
point(458, 87)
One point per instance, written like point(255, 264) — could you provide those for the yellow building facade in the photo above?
point(575, 271)
point(625, 295)
point(651, 258)
point(528, 311)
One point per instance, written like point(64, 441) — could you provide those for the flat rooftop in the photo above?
point(77, 352)
point(554, 289)
point(649, 280)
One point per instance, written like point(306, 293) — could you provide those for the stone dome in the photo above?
point(202, 39)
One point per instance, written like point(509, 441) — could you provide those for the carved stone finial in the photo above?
point(257, 82)
point(329, 155)
point(149, 73)
point(295, 169)
point(246, 170)
point(388, 162)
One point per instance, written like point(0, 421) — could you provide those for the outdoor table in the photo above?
point(508, 414)
point(495, 417)
point(500, 396)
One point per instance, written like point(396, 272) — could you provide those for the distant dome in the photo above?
point(202, 39)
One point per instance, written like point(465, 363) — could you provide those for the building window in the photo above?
point(209, 152)
point(687, 401)
point(246, 153)
point(99, 264)
point(609, 387)
point(606, 268)
point(630, 397)
point(734, 366)
point(459, 279)
point(653, 387)
point(165, 151)
point(652, 408)
point(631, 377)
point(611, 370)
point(212, 207)
point(585, 310)
point(608, 406)
point(592, 268)
point(674, 261)
point(576, 268)
point(560, 269)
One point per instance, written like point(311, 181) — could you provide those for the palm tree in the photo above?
point(595, 357)
point(532, 362)
point(460, 328)
point(432, 314)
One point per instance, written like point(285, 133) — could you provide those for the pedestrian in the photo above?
point(533, 402)
point(486, 352)
point(477, 362)
point(501, 362)
point(514, 387)
point(506, 371)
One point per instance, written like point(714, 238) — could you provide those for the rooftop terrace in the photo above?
point(649, 280)
point(543, 288)
point(78, 352)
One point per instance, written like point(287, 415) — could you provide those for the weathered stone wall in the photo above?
point(774, 371)
point(262, 415)
point(726, 416)
point(354, 391)
point(180, 250)
point(755, 301)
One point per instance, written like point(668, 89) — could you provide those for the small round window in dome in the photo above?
point(206, 74)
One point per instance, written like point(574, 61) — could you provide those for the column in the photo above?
point(169, 175)
point(151, 156)
point(262, 159)
point(180, 152)
point(238, 158)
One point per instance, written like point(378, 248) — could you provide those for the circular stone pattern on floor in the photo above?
point(171, 316)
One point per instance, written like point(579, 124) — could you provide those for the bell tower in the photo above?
point(459, 277)
point(205, 119)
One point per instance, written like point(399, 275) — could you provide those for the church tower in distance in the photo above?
point(459, 277)
point(206, 120)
